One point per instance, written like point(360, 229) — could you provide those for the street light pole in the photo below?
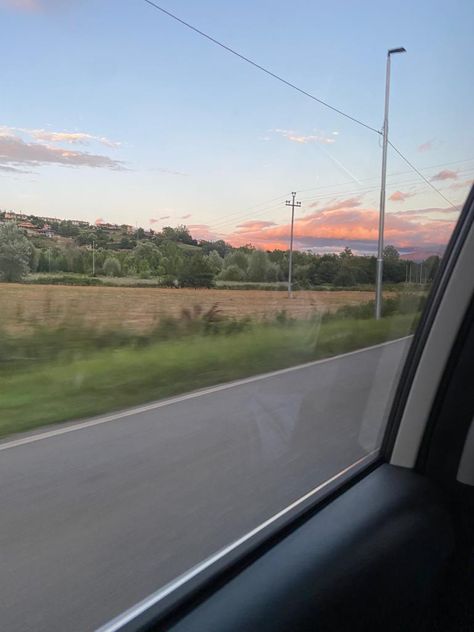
point(290, 262)
point(379, 269)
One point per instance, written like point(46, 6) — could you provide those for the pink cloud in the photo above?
point(351, 225)
point(427, 146)
point(400, 196)
point(446, 174)
point(163, 217)
point(334, 206)
point(253, 225)
point(186, 216)
point(461, 185)
point(98, 221)
point(203, 231)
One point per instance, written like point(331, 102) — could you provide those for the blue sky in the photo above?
point(112, 110)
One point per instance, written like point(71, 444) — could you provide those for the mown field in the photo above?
point(22, 306)
point(72, 352)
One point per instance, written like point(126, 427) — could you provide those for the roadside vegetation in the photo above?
point(70, 371)
point(94, 255)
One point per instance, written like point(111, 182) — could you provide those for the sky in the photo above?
point(111, 110)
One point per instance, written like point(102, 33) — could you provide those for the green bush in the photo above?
point(16, 253)
point(112, 267)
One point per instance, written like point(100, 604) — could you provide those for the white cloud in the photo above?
point(71, 138)
point(65, 137)
point(320, 137)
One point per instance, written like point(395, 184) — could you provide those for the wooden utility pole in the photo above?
point(291, 203)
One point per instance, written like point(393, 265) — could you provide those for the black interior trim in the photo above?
point(372, 559)
point(208, 581)
point(448, 263)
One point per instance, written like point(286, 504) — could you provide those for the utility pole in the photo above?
point(291, 203)
point(379, 269)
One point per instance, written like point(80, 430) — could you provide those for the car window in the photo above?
point(216, 243)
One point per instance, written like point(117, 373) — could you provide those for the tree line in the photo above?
point(177, 259)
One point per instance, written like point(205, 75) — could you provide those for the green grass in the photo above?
point(111, 379)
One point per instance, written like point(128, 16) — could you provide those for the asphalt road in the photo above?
point(95, 519)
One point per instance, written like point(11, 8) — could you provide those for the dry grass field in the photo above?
point(22, 306)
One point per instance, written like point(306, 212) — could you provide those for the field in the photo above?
point(140, 309)
point(68, 352)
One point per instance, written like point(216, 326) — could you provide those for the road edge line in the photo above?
point(103, 419)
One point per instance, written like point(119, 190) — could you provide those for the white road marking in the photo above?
point(180, 398)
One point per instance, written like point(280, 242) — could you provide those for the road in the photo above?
point(96, 517)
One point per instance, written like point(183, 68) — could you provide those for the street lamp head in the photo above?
point(392, 51)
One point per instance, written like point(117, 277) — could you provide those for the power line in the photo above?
point(295, 87)
point(246, 215)
point(364, 190)
point(262, 68)
point(428, 182)
point(391, 175)
point(255, 211)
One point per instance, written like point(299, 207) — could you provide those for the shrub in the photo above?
point(112, 267)
point(232, 273)
point(15, 253)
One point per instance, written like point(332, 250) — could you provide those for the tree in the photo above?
point(85, 237)
point(232, 273)
point(180, 234)
point(390, 253)
point(112, 267)
point(431, 266)
point(15, 253)
point(33, 258)
point(215, 261)
point(147, 256)
point(196, 272)
point(172, 259)
point(237, 258)
point(393, 268)
point(126, 243)
point(327, 269)
point(345, 277)
point(219, 246)
point(67, 229)
point(346, 253)
point(258, 264)
point(272, 272)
